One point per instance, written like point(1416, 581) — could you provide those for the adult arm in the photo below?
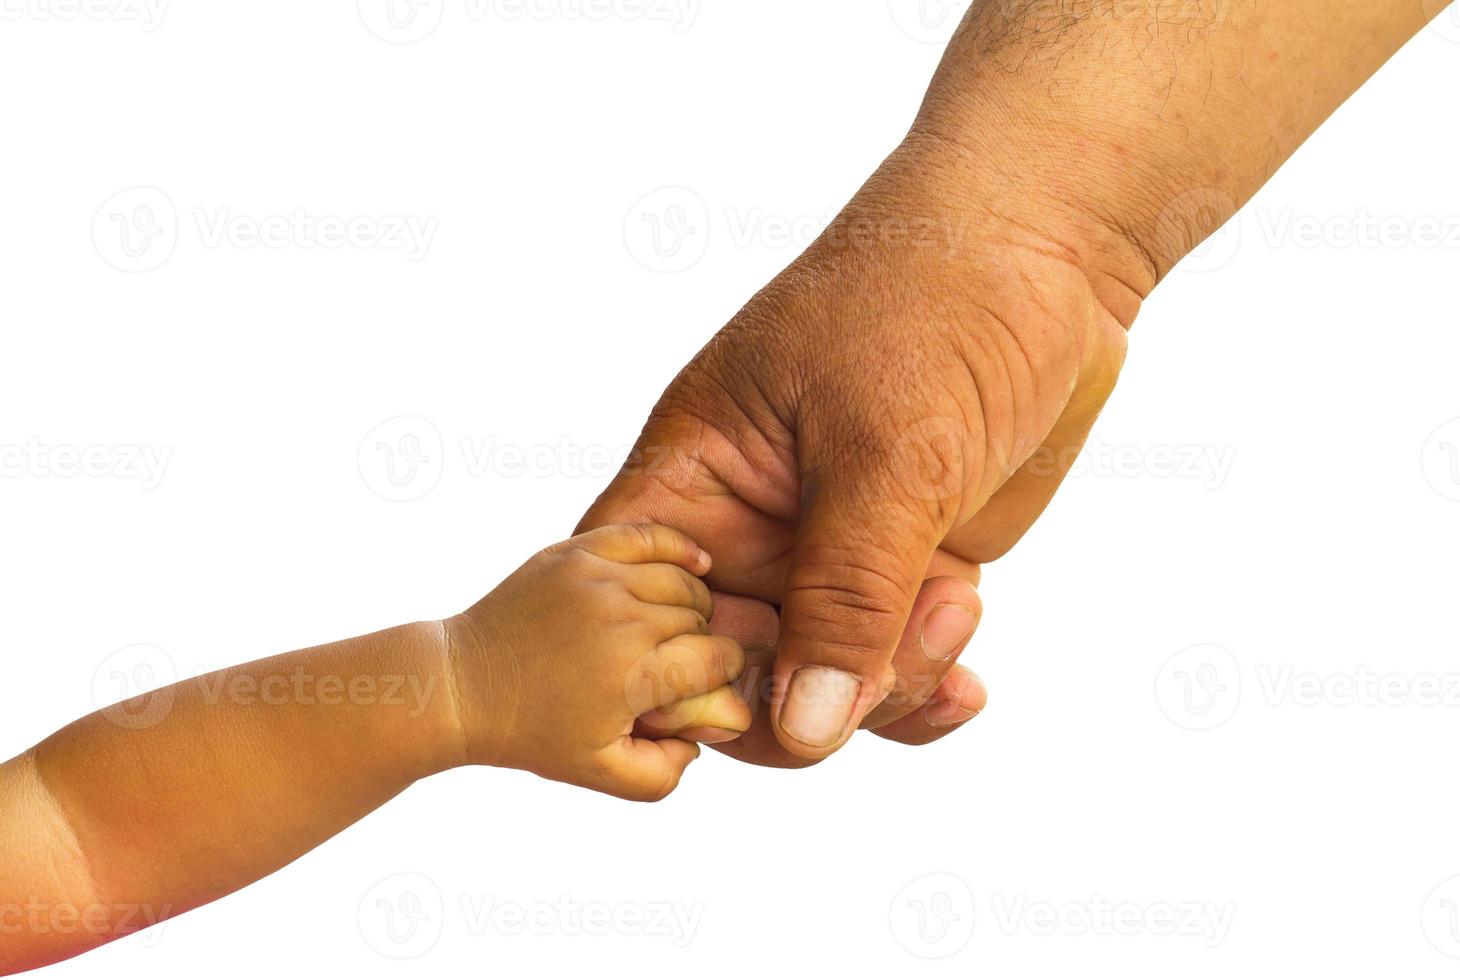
point(902, 402)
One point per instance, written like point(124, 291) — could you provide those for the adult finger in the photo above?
point(943, 619)
point(957, 700)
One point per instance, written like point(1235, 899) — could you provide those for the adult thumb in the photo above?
point(859, 559)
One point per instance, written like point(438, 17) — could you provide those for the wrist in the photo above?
point(483, 710)
point(1007, 208)
point(1116, 126)
point(434, 740)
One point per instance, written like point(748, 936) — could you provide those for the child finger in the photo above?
point(720, 716)
point(640, 543)
point(663, 584)
point(669, 621)
point(647, 770)
point(681, 668)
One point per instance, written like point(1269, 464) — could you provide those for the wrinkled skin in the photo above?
point(895, 409)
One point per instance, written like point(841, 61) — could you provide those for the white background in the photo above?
point(1268, 485)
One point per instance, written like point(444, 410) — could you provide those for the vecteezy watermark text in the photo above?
point(404, 916)
point(409, 21)
point(1201, 687)
point(146, 464)
point(935, 915)
point(146, 14)
point(404, 458)
point(138, 229)
point(39, 917)
point(670, 229)
point(136, 687)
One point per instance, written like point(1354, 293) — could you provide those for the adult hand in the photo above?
point(901, 403)
point(865, 433)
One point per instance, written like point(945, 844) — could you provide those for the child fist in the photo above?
point(554, 666)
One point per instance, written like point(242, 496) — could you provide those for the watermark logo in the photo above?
point(931, 456)
point(1440, 460)
point(1202, 230)
point(405, 459)
point(402, 459)
point(402, 916)
point(925, 21)
point(1199, 688)
point(302, 229)
point(933, 916)
point(135, 230)
point(1440, 917)
point(132, 686)
point(668, 230)
point(138, 229)
point(1444, 18)
point(937, 457)
point(400, 21)
point(405, 915)
point(667, 675)
point(1194, 229)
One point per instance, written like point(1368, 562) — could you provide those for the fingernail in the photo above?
point(947, 627)
point(705, 559)
point(709, 736)
point(818, 705)
point(946, 714)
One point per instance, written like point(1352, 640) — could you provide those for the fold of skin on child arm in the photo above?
point(176, 798)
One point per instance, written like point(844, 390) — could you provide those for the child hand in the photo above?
point(552, 668)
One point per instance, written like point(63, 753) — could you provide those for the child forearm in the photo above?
point(156, 806)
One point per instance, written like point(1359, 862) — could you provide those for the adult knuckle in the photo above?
point(865, 579)
point(859, 609)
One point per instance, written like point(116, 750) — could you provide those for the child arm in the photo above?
point(147, 809)
point(176, 798)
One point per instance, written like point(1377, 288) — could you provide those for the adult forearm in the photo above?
point(1154, 118)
